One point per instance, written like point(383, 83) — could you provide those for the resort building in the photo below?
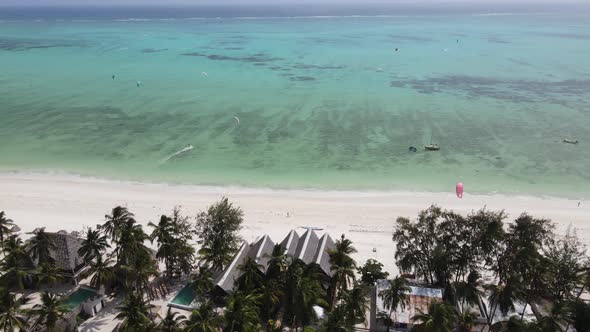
point(309, 247)
point(65, 254)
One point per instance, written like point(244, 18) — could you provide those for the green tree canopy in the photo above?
point(12, 264)
point(134, 311)
point(202, 281)
point(40, 247)
point(303, 291)
point(343, 267)
point(173, 235)
point(102, 272)
point(49, 311)
point(355, 304)
point(217, 230)
point(395, 295)
point(579, 312)
point(172, 322)
point(242, 312)
point(12, 315)
point(93, 245)
point(440, 317)
point(251, 278)
point(371, 272)
point(114, 221)
point(442, 246)
point(565, 258)
point(204, 319)
point(5, 226)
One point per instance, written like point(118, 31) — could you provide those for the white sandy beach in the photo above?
point(69, 202)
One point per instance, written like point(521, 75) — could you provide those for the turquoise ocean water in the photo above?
point(323, 101)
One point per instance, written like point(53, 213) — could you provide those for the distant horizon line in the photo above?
point(290, 4)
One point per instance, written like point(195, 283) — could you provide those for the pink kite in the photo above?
point(459, 189)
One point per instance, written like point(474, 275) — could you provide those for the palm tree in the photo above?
point(173, 236)
point(172, 322)
point(277, 262)
point(584, 280)
point(440, 317)
point(272, 293)
point(163, 233)
point(40, 247)
point(134, 264)
point(251, 277)
point(47, 274)
point(135, 313)
point(129, 242)
point(355, 304)
point(343, 267)
point(577, 308)
point(13, 245)
point(118, 216)
point(204, 319)
point(533, 273)
point(12, 316)
point(5, 226)
point(396, 295)
point(203, 281)
point(513, 324)
point(93, 245)
point(241, 312)
point(184, 259)
point(556, 320)
point(336, 321)
point(102, 272)
point(12, 263)
point(49, 311)
point(138, 275)
point(580, 315)
point(466, 321)
point(502, 297)
point(468, 292)
point(303, 291)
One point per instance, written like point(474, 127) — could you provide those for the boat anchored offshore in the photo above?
point(570, 141)
point(431, 147)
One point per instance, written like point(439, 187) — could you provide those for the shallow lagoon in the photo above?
point(322, 102)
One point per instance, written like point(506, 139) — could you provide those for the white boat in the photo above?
point(432, 147)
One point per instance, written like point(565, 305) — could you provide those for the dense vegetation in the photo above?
point(481, 261)
point(522, 262)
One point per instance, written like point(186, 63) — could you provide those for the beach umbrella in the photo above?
point(459, 189)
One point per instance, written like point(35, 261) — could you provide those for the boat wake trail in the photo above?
point(178, 153)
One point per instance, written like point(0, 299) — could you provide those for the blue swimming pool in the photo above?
point(77, 297)
point(185, 299)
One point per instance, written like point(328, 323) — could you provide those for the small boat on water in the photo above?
point(431, 147)
point(570, 141)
